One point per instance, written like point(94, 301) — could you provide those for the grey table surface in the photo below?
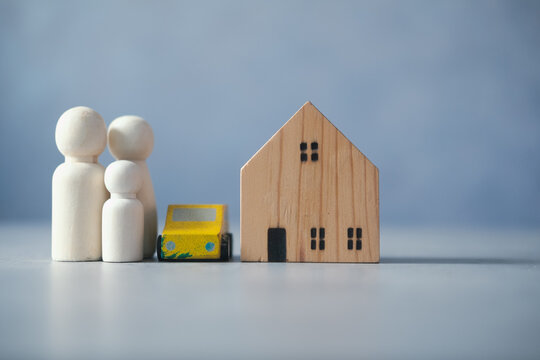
point(437, 293)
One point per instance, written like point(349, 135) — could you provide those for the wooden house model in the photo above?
point(309, 195)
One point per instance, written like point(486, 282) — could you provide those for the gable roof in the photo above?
point(309, 108)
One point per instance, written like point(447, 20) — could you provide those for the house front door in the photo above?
point(277, 245)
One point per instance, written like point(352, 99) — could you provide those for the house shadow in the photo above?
point(449, 260)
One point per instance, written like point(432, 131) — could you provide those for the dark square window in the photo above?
point(314, 157)
point(303, 157)
point(349, 244)
point(314, 145)
point(303, 146)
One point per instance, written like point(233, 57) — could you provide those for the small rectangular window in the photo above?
point(321, 233)
point(303, 157)
point(194, 214)
point(314, 145)
point(303, 146)
point(350, 232)
point(350, 244)
point(359, 233)
point(321, 245)
point(314, 157)
point(358, 244)
point(313, 244)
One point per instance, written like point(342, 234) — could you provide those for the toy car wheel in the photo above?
point(230, 245)
point(225, 247)
point(158, 248)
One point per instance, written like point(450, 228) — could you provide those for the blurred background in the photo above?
point(444, 97)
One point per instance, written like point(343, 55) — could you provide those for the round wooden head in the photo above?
point(123, 177)
point(81, 132)
point(130, 138)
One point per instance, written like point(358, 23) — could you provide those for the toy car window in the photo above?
point(194, 214)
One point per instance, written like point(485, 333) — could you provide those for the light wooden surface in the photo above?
point(338, 191)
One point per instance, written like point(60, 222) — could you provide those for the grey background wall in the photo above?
point(444, 97)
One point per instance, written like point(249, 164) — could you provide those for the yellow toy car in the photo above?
point(195, 232)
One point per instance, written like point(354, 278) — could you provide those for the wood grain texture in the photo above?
point(338, 191)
